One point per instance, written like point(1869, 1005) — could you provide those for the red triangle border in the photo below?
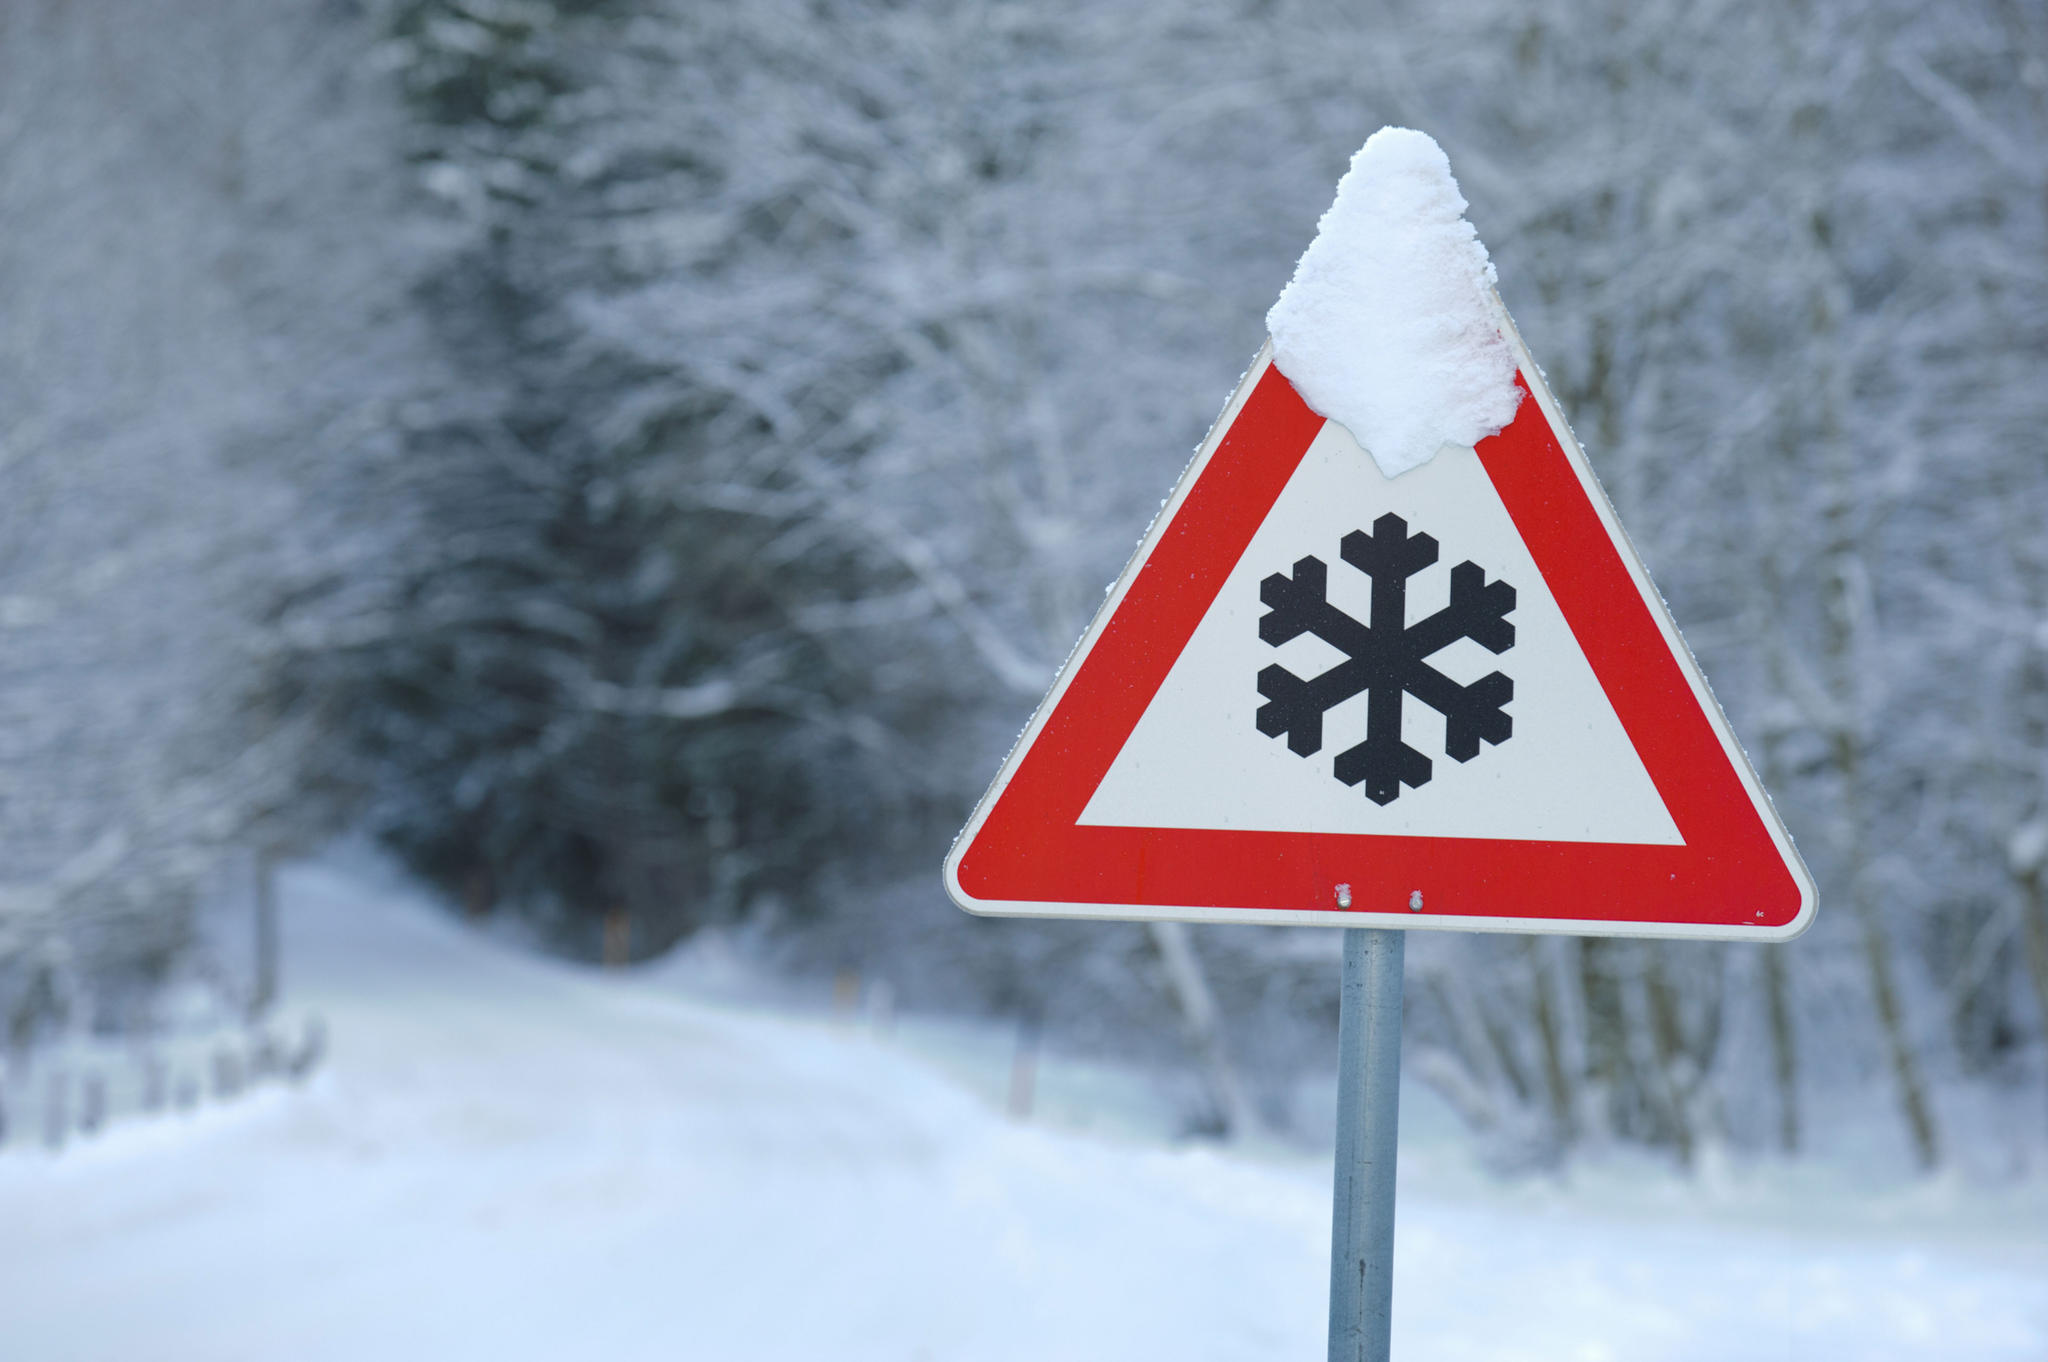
point(1736, 876)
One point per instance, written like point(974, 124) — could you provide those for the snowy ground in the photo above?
point(508, 1158)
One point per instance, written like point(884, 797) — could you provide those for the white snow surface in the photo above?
point(512, 1159)
point(1389, 326)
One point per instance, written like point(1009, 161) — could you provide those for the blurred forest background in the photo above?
point(643, 460)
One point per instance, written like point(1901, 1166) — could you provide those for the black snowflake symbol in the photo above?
point(1387, 657)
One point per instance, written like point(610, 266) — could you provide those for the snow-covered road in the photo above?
point(511, 1159)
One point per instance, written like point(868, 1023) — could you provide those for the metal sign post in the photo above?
point(1368, 1118)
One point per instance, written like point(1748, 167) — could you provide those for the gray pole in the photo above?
point(1368, 1115)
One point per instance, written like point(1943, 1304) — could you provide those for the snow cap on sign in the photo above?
point(1389, 326)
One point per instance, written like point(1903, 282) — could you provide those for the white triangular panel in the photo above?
point(1567, 773)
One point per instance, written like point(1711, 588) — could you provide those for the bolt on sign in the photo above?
point(1450, 698)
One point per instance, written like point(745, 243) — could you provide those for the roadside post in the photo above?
point(1385, 661)
point(1368, 1117)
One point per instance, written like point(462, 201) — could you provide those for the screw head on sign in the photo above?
point(1343, 896)
point(1415, 902)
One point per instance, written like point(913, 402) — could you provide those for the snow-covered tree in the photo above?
point(195, 303)
point(812, 355)
point(659, 452)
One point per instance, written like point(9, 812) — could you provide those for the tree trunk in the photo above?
point(1550, 1033)
point(1877, 959)
point(1669, 1052)
point(1784, 1047)
point(2034, 929)
point(1205, 1031)
point(1905, 1068)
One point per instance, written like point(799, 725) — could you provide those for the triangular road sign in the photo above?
point(1449, 699)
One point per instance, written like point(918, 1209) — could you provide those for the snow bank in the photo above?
point(515, 1159)
point(1389, 326)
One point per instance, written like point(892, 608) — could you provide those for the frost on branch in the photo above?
point(1387, 658)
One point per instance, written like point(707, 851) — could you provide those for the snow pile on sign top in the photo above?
point(1389, 326)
